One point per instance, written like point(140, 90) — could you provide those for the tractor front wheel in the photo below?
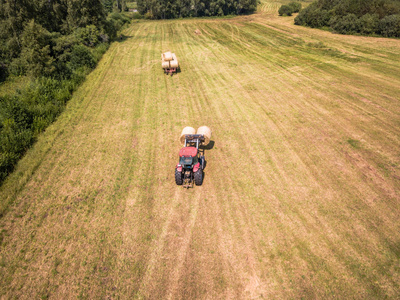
point(198, 177)
point(178, 177)
point(202, 162)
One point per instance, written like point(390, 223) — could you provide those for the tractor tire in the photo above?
point(198, 177)
point(202, 162)
point(178, 177)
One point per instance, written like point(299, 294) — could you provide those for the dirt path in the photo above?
point(301, 190)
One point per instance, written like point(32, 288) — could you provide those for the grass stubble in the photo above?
point(300, 198)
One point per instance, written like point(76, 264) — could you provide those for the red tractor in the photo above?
point(191, 162)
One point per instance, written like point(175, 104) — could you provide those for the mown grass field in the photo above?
point(301, 190)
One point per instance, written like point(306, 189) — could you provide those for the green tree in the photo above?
point(295, 6)
point(81, 13)
point(348, 24)
point(389, 26)
point(285, 10)
point(369, 24)
point(108, 5)
point(50, 13)
point(81, 57)
point(35, 54)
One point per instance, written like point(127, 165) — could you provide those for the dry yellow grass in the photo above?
point(301, 190)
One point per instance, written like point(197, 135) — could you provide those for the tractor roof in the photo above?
point(188, 151)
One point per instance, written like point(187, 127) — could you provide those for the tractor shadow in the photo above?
point(209, 146)
point(178, 70)
point(122, 38)
point(203, 149)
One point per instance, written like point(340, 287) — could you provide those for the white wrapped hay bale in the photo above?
point(204, 130)
point(167, 56)
point(186, 130)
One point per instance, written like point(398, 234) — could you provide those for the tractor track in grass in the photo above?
point(300, 196)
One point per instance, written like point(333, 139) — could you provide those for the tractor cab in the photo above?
point(188, 157)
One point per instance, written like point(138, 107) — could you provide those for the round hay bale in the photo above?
point(167, 56)
point(165, 64)
point(186, 130)
point(204, 130)
point(174, 64)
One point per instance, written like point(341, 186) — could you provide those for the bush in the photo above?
point(136, 15)
point(35, 54)
point(17, 67)
point(285, 10)
point(346, 25)
point(295, 6)
point(149, 16)
point(115, 22)
point(119, 17)
point(81, 57)
point(307, 15)
point(99, 51)
point(15, 133)
point(88, 35)
point(315, 18)
point(369, 24)
point(390, 26)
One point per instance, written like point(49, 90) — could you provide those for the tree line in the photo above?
point(36, 35)
point(169, 9)
point(54, 43)
point(366, 17)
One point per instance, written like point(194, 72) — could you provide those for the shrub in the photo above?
point(313, 16)
point(88, 35)
point(15, 133)
point(296, 6)
point(285, 10)
point(114, 23)
point(121, 17)
point(136, 15)
point(12, 108)
point(81, 57)
point(35, 54)
point(389, 26)
point(318, 18)
point(149, 16)
point(346, 25)
point(99, 51)
point(369, 24)
point(17, 67)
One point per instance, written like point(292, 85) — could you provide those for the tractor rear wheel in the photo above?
point(198, 177)
point(178, 177)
